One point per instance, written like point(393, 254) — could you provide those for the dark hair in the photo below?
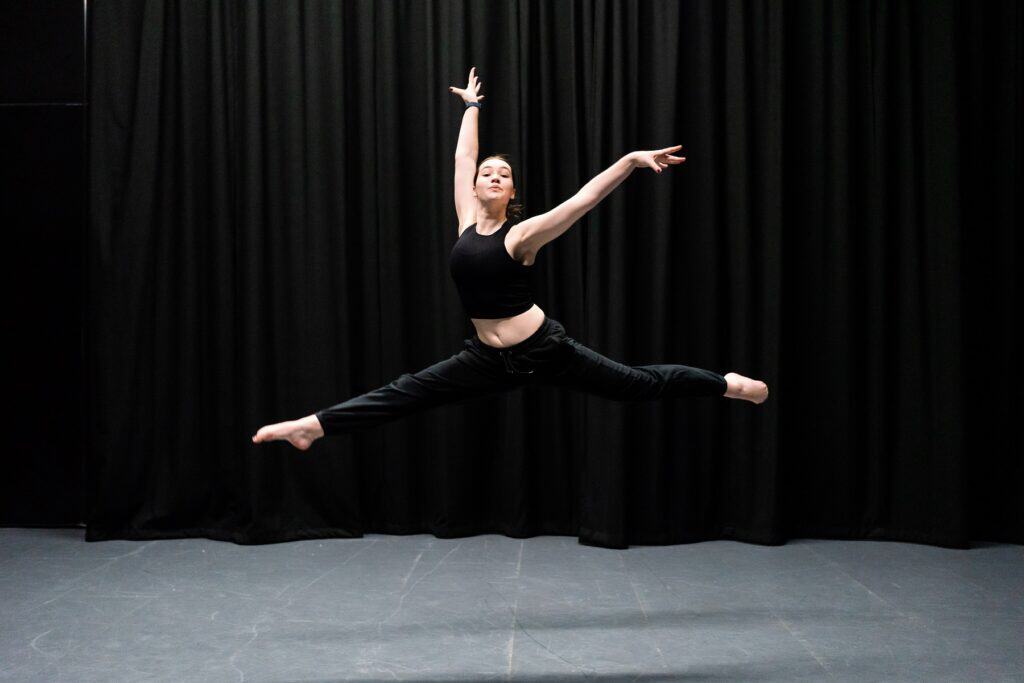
point(514, 211)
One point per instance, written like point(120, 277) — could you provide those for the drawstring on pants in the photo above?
point(507, 356)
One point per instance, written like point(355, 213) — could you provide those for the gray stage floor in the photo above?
point(491, 607)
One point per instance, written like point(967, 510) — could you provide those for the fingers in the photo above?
point(473, 84)
point(655, 161)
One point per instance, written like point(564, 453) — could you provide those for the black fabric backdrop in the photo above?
point(271, 216)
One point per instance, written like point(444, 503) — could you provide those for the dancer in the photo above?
point(516, 344)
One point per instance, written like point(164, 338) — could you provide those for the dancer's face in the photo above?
point(494, 182)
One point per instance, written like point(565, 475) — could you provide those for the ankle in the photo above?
point(311, 424)
point(735, 389)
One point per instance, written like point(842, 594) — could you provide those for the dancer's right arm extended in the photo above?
point(466, 151)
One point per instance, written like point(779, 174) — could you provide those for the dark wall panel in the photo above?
point(41, 43)
point(42, 209)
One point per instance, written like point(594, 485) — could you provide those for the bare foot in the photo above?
point(753, 390)
point(300, 433)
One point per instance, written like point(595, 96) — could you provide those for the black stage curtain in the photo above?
point(271, 216)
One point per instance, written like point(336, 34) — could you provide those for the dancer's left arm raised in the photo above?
point(537, 231)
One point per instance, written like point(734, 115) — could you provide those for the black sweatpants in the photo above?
point(547, 357)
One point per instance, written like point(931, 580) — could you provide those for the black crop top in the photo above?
point(491, 283)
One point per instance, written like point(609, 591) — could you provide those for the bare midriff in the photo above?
point(502, 332)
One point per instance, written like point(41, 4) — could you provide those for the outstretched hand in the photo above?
point(656, 158)
point(469, 93)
